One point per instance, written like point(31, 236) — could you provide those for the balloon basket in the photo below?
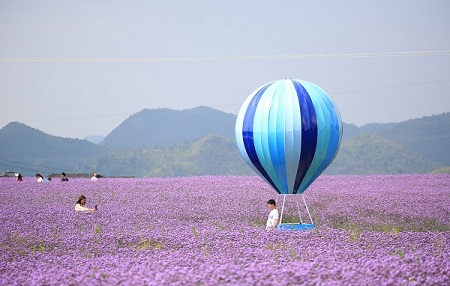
point(296, 226)
point(302, 225)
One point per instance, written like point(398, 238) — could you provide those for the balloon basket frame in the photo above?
point(296, 226)
point(303, 225)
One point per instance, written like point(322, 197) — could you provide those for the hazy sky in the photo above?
point(80, 68)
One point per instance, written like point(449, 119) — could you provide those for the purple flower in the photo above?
point(210, 230)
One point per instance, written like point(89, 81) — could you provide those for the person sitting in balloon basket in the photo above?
point(81, 205)
point(273, 219)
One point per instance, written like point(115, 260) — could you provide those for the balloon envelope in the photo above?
point(289, 132)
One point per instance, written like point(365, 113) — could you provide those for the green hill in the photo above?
point(443, 170)
point(215, 155)
point(428, 136)
point(167, 127)
point(373, 154)
point(200, 141)
point(30, 151)
point(210, 155)
point(351, 130)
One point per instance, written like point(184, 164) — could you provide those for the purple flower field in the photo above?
point(370, 230)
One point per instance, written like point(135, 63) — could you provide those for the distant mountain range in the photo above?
point(167, 127)
point(29, 151)
point(200, 141)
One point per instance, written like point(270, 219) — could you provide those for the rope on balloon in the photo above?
point(298, 208)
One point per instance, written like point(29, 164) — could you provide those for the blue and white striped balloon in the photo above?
point(289, 132)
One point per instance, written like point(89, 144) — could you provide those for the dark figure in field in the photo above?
point(39, 178)
point(63, 177)
point(19, 177)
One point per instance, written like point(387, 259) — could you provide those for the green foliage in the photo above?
point(443, 170)
point(400, 253)
point(373, 154)
point(194, 231)
point(147, 243)
point(402, 224)
point(177, 143)
point(98, 229)
point(210, 155)
point(258, 222)
point(291, 218)
point(25, 245)
point(219, 225)
point(293, 253)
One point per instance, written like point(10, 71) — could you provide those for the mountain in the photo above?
point(428, 136)
point(351, 130)
point(29, 151)
point(166, 127)
point(94, 138)
point(215, 155)
point(373, 154)
point(209, 155)
point(200, 141)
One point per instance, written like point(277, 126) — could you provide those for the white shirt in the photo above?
point(273, 215)
point(80, 208)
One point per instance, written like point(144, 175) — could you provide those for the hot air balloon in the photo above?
point(289, 132)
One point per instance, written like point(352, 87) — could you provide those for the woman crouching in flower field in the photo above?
point(81, 205)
